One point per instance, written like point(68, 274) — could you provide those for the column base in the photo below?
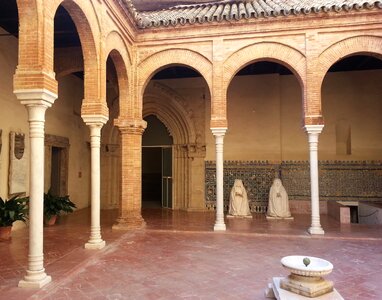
point(129, 223)
point(316, 230)
point(219, 227)
point(35, 284)
point(95, 246)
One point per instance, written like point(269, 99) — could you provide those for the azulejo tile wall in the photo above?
point(339, 180)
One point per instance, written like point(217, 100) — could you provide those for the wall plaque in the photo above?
point(18, 163)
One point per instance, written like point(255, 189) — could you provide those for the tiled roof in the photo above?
point(231, 10)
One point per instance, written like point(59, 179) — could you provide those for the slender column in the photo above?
point(219, 141)
point(36, 102)
point(95, 123)
point(130, 214)
point(313, 132)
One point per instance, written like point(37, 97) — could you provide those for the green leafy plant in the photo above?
point(54, 205)
point(14, 209)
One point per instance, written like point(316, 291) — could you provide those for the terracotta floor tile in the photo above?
point(178, 256)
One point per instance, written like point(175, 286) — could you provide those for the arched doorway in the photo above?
point(168, 97)
point(156, 165)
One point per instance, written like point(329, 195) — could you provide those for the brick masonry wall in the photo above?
point(307, 44)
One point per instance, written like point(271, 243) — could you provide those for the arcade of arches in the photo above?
point(90, 89)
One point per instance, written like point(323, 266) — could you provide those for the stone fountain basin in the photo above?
point(318, 267)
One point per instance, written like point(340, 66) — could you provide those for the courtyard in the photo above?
point(179, 256)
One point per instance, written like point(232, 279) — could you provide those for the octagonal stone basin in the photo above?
point(318, 267)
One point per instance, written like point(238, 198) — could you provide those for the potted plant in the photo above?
point(11, 210)
point(55, 205)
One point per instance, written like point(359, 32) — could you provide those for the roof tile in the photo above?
point(231, 10)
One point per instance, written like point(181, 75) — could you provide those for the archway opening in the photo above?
point(264, 110)
point(110, 143)
point(177, 96)
point(351, 93)
point(67, 155)
point(352, 137)
point(156, 165)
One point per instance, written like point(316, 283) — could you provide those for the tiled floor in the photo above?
point(178, 256)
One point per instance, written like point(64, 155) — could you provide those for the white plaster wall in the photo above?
point(253, 118)
point(294, 141)
point(13, 115)
point(62, 119)
point(356, 97)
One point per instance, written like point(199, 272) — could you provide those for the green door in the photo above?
point(167, 177)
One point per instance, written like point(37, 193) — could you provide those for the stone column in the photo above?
point(180, 177)
point(219, 141)
point(130, 207)
point(196, 156)
point(95, 123)
point(36, 103)
point(313, 132)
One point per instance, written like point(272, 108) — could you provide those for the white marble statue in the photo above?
point(238, 201)
point(278, 205)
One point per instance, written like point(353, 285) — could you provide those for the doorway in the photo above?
point(55, 175)
point(56, 165)
point(157, 178)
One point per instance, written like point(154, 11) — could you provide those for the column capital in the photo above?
point(131, 126)
point(219, 131)
point(95, 120)
point(35, 97)
point(313, 129)
point(196, 150)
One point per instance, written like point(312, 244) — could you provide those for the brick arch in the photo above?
point(86, 22)
point(276, 52)
point(114, 41)
point(119, 53)
point(368, 45)
point(165, 58)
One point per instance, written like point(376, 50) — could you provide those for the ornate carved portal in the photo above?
point(189, 149)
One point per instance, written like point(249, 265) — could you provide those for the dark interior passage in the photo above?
point(156, 165)
point(151, 176)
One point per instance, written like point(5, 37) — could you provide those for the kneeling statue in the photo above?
point(238, 201)
point(278, 205)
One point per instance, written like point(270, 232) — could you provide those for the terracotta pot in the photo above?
point(51, 221)
point(5, 233)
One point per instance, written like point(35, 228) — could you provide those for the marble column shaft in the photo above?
point(313, 132)
point(36, 103)
point(219, 142)
point(95, 123)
